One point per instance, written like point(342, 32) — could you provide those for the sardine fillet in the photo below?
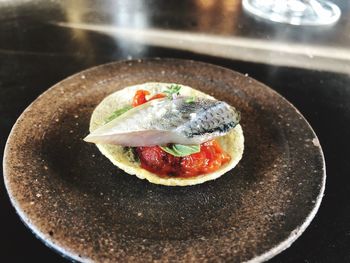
point(164, 121)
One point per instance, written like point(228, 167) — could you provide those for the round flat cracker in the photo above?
point(232, 143)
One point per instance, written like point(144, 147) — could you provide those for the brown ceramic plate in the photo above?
point(78, 203)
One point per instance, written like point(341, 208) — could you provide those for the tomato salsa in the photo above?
point(210, 158)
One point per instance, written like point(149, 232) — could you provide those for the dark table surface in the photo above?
point(42, 42)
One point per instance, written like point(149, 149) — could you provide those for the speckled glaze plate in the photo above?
point(81, 205)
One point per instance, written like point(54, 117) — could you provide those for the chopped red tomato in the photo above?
point(157, 96)
point(157, 161)
point(210, 158)
point(140, 97)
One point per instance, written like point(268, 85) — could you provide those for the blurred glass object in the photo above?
point(295, 12)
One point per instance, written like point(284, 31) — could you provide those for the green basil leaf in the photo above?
point(172, 90)
point(180, 150)
point(117, 113)
point(190, 100)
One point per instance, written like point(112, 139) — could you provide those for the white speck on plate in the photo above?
point(316, 142)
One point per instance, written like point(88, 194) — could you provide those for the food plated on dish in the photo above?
point(249, 214)
point(168, 133)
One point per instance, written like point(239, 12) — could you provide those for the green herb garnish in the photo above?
point(131, 155)
point(172, 90)
point(189, 100)
point(117, 113)
point(180, 150)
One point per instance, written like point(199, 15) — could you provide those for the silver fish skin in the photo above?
point(183, 120)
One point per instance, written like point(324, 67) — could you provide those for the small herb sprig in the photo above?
point(190, 100)
point(172, 91)
point(180, 150)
